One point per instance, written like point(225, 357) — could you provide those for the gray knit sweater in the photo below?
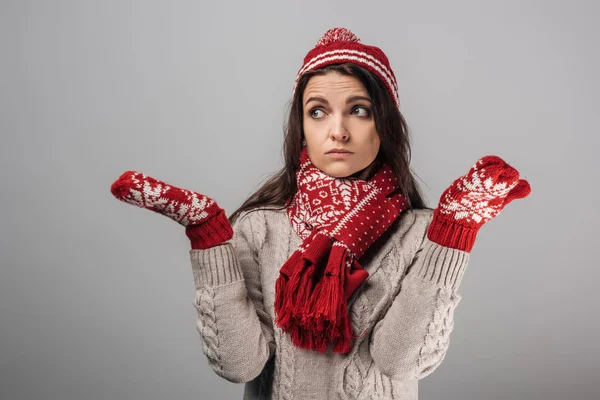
point(403, 313)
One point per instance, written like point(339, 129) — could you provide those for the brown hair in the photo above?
point(389, 122)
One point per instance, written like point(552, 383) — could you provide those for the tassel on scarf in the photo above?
point(295, 284)
point(316, 314)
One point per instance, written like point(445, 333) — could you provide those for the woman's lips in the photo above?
point(338, 155)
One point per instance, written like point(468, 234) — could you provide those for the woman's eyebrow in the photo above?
point(354, 98)
point(317, 99)
point(348, 100)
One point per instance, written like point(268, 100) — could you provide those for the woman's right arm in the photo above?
point(237, 333)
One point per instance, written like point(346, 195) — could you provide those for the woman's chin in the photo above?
point(340, 172)
point(341, 169)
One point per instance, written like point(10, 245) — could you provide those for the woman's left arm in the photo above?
point(411, 340)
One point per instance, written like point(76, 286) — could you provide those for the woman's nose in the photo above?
point(338, 130)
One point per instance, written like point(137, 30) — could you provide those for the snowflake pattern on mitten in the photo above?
point(181, 205)
point(474, 199)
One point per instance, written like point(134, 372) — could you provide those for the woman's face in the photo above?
point(337, 115)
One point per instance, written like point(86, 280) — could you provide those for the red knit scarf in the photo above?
point(338, 219)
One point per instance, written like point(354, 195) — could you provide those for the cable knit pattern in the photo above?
point(402, 314)
point(353, 379)
point(207, 327)
point(286, 364)
point(356, 372)
point(437, 339)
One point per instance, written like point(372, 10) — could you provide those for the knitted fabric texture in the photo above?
point(338, 219)
point(206, 223)
point(401, 315)
point(474, 199)
point(340, 45)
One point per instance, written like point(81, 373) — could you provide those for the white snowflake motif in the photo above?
point(300, 216)
point(143, 194)
point(152, 196)
point(474, 205)
point(196, 211)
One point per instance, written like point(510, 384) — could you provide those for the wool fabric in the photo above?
point(474, 199)
point(206, 223)
point(402, 315)
point(338, 219)
point(340, 45)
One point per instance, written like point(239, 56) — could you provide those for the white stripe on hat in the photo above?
point(387, 72)
point(363, 60)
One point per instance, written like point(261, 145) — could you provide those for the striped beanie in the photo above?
point(340, 45)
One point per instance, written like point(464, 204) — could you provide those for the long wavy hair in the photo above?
point(390, 125)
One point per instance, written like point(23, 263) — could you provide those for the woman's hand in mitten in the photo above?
point(206, 223)
point(474, 199)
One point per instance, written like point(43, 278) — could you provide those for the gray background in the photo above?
point(96, 295)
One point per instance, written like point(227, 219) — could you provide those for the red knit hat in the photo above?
point(340, 45)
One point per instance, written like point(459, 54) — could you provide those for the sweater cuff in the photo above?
point(450, 234)
point(441, 265)
point(211, 232)
point(215, 266)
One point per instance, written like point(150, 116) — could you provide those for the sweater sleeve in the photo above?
point(412, 338)
point(236, 332)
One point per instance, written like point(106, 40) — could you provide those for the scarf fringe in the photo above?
point(315, 314)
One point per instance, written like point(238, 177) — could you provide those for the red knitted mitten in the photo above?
point(474, 199)
point(206, 223)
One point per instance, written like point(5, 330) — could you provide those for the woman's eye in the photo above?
point(313, 113)
point(365, 111)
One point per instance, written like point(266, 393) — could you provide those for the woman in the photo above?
point(333, 279)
